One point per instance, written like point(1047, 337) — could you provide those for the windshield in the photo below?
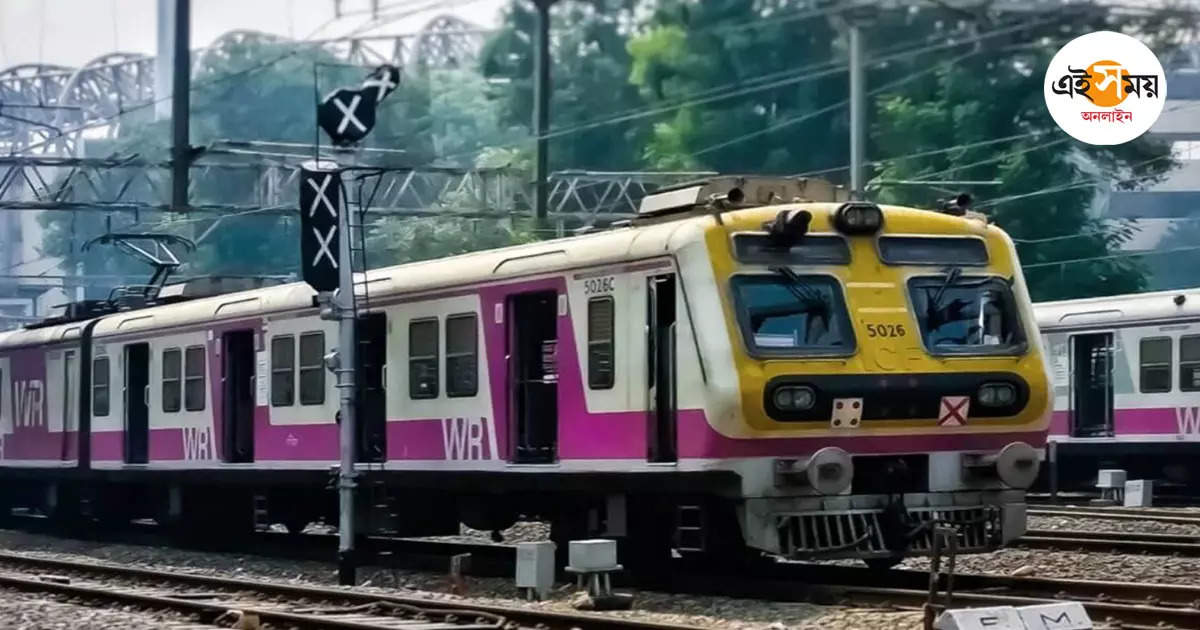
point(792, 314)
point(967, 315)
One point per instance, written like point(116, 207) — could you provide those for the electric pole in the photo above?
point(181, 88)
point(541, 108)
point(857, 109)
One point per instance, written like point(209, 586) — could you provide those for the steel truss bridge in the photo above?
point(44, 108)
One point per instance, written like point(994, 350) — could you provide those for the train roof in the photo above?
point(632, 242)
point(1119, 309)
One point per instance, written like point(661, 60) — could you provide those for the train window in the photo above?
point(1155, 359)
point(1189, 363)
point(283, 370)
point(924, 250)
point(193, 379)
point(462, 349)
point(172, 380)
point(312, 368)
point(787, 314)
point(100, 386)
point(600, 342)
point(811, 250)
point(423, 358)
point(967, 315)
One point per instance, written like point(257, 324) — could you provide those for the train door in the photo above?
point(371, 415)
point(1091, 385)
point(660, 351)
point(137, 403)
point(237, 389)
point(533, 375)
point(70, 402)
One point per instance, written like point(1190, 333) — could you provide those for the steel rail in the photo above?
point(1124, 542)
point(1129, 603)
point(212, 610)
point(1130, 514)
point(523, 616)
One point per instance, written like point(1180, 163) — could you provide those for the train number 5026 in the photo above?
point(885, 330)
point(598, 285)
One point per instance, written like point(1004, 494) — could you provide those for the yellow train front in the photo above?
point(879, 372)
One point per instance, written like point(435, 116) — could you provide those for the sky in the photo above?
point(73, 32)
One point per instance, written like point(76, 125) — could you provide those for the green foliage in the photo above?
point(590, 72)
point(739, 62)
point(1048, 180)
point(396, 241)
point(752, 74)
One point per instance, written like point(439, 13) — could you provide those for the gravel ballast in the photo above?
point(33, 611)
point(701, 611)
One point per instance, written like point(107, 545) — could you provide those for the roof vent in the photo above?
point(208, 286)
point(733, 192)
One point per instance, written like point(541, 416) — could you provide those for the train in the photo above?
point(1126, 378)
point(750, 365)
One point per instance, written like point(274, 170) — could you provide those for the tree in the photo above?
point(589, 79)
point(759, 87)
point(1048, 180)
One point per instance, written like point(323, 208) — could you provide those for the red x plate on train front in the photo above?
point(953, 411)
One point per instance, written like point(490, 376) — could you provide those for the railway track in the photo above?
point(1119, 514)
point(1133, 605)
point(1136, 605)
point(211, 599)
point(1119, 542)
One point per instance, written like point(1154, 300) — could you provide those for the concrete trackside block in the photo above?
point(1139, 493)
point(998, 618)
point(1111, 478)
point(592, 555)
point(535, 567)
point(1056, 616)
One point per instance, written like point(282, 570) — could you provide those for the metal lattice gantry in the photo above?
point(261, 186)
point(604, 195)
point(44, 108)
point(227, 185)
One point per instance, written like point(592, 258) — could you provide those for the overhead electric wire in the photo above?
point(757, 84)
point(1075, 261)
point(795, 120)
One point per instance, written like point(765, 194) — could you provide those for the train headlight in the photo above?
point(1017, 465)
point(997, 395)
point(858, 217)
point(794, 398)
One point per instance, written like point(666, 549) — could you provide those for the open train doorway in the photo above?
point(660, 351)
point(137, 403)
point(371, 415)
point(237, 387)
point(533, 344)
point(1091, 385)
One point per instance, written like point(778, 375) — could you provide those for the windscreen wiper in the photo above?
point(805, 294)
point(952, 275)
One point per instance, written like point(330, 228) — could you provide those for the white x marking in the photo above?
point(348, 114)
point(385, 84)
point(323, 242)
point(321, 196)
